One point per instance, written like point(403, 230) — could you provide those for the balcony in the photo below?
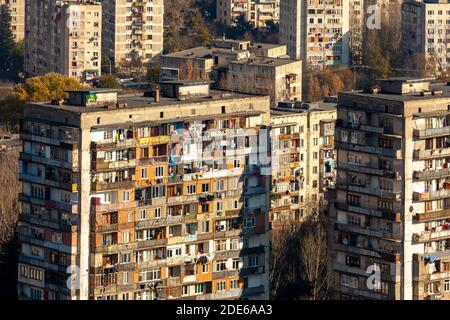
point(255, 190)
point(154, 140)
point(427, 236)
point(369, 170)
point(102, 186)
point(432, 174)
point(397, 154)
point(248, 292)
point(434, 215)
point(105, 165)
point(252, 270)
point(388, 215)
point(182, 199)
point(395, 195)
point(371, 252)
point(433, 195)
point(110, 144)
point(367, 231)
point(431, 133)
point(431, 153)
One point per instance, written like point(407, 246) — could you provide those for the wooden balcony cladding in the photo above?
point(435, 215)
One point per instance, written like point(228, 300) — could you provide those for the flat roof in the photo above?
point(94, 90)
point(403, 97)
point(318, 106)
point(137, 100)
point(265, 61)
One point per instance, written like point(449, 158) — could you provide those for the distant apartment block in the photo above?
point(363, 17)
point(425, 28)
point(303, 159)
point(132, 29)
point(17, 11)
point(239, 66)
point(147, 196)
point(257, 12)
point(63, 37)
point(390, 222)
point(316, 32)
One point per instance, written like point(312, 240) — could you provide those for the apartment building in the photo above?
point(17, 11)
point(303, 159)
point(155, 196)
point(238, 66)
point(425, 26)
point(363, 18)
point(63, 37)
point(257, 12)
point(391, 236)
point(132, 30)
point(316, 31)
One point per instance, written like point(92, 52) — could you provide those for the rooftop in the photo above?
point(138, 100)
point(441, 91)
point(264, 61)
point(319, 106)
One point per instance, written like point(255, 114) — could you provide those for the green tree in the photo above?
point(108, 82)
point(242, 26)
point(11, 54)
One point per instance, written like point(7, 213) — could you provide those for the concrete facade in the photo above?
point(132, 26)
point(72, 31)
point(317, 32)
point(303, 159)
point(125, 191)
point(390, 217)
point(17, 10)
point(239, 66)
point(425, 26)
point(257, 12)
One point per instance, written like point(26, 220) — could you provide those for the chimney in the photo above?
point(157, 95)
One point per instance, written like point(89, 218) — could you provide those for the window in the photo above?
point(159, 172)
point(205, 187)
point(234, 284)
point(447, 286)
point(221, 245)
point(205, 268)
point(235, 264)
point(349, 281)
point(220, 185)
point(125, 258)
point(125, 196)
point(144, 173)
point(235, 204)
point(198, 288)
point(221, 286)
point(234, 244)
point(125, 237)
point(150, 275)
point(185, 291)
point(36, 294)
point(157, 212)
point(253, 261)
point(35, 274)
point(249, 222)
point(143, 214)
point(221, 265)
point(353, 261)
point(191, 189)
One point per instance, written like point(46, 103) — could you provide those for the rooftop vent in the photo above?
point(437, 92)
point(426, 93)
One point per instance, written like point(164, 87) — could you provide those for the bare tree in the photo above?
point(9, 205)
point(314, 257)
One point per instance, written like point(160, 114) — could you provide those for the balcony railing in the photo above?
point(431, 153)
point(101, 185)
point(369, 170)
point(435, 215)
point(369, 149)
point(431, 236)
point(433, 195)
point(432, 174)
point(434, 132)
